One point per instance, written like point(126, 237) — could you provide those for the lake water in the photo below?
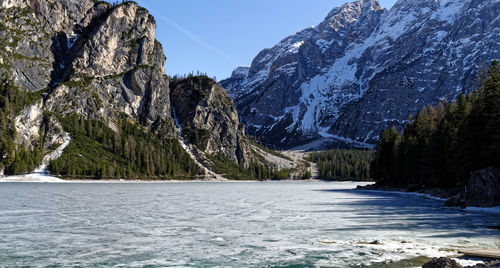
point(227, 224)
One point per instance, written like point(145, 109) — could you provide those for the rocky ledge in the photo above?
point(445, 262)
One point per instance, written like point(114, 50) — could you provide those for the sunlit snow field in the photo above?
point(227, 224)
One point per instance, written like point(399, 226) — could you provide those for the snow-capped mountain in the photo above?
point(365, 68)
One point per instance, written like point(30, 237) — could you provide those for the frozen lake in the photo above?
point(227, 224)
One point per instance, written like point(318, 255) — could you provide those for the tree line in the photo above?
point(133, 152)
point(444, 143)
point(255, 171)
point(343, 164)
point(16, 158)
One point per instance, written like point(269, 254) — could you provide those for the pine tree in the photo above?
point(444, 144)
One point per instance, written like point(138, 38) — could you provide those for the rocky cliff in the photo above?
point(365, 68)
point(101, 63)
point(209, 119)
point(94, 60)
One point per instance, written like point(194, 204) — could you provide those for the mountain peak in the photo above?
point(351, 12)
point(419, 5)
point(365, 68)
point(371, 4)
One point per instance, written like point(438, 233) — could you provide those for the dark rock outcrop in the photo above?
point(442, 263)
point(365, 68)
point(483, 188)
point(33, 36)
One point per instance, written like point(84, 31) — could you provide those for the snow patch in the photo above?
point(240, 72)
point(288, 68)
point(468, 262)
point(43, 168)
point(32, 178)
point(324, 45)
point(185, 146)
point(346, 140)
point(295, 47)
point(440, 35)
point(317, 91)
point(265, 58)
point(448, 10)
point(41, 173)
point(396, 25)
point(72, 40)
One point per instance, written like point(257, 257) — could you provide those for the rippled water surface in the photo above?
point(227, 224)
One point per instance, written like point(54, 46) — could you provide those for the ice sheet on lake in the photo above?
point(230, 224)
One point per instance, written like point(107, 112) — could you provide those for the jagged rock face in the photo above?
point(29, 38)
point(31, 125)
point(12, 3)
point(115, 54)
point(124, 40)
point(102, 62)
point(365, 68)
point(203, 108)
point(442, 262)
point(28, 123)
point(94, 60)
point(141, 94)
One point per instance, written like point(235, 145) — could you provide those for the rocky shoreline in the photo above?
point(481, 190)
point(446, 262)
point(449, 196)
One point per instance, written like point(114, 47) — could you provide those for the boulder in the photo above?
point(442, 262)
point(483, 188)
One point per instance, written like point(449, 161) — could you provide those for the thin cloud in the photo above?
point(189, 34)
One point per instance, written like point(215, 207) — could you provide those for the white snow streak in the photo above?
point(41, 173)
point(42, 169)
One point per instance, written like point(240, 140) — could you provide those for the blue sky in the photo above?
point(217, 36)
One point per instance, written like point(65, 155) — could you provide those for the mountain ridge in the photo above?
point(96, 72)
point(329, 80)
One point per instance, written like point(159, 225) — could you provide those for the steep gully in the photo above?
point(209, 175)
point(41, 173)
